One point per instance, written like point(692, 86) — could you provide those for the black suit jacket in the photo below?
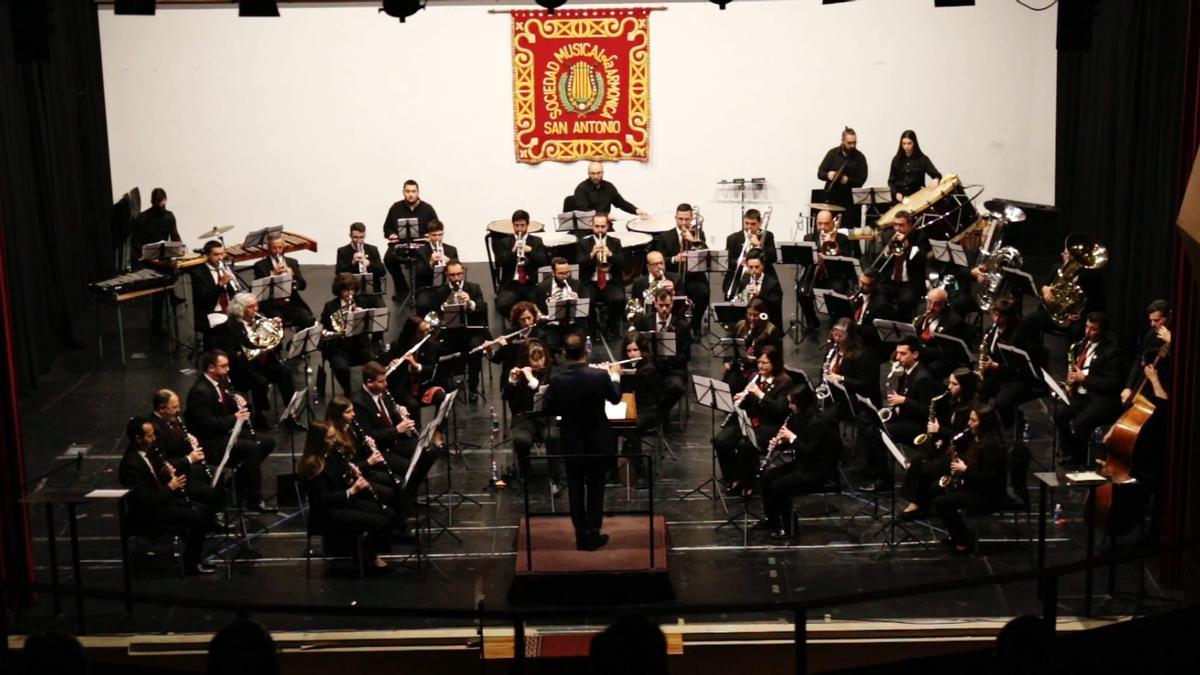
point(817, 447)
point(506, 259)
point(478, 316)
point(1104, 372)
point(587, 264)
point(877, 307)
point(733, 251)
point(205, 295)
point(770, 411)
point(262, 269)
point(544, 291)
point(424, 255)
point(643, 282)
point(950, 324)
point(914, 261)
point(862, 376)
point(174, 446)
point(918, 388)
point(845, 246)
point(147, 494)
point(383, 430)
point(375, 266)
point(670, 246)
point(649, 322)
point(577, 394)
point(206, 417)
point(771, 293)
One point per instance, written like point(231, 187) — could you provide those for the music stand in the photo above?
point(356, 322)
point(272, 288)
point(302, 343)
point(573, 221)
point(746, 428)
point(952, 349)
point(894, 331)
point(1020, 281)
point(286, 483)
point(729, 348)
point(454, 316)
point(714, 395)
point(949, 252)
point(832, 303)
point(1018, 360)
point(664, 345)
point(568, 310)
point(258, 238)
point(843, 268)
point(728, 312)
point(162, 250)
point(892, 543)
point(706, 258)
point(803, 253)
point(407, 231)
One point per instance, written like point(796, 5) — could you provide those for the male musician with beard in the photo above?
point(842, 169)
point(737, 251)
point(213, 285)
point(849, 363)
point(387, 422)
point(292, 309)
point(828, 242)
point(903, 271)
point(672, 370)
point(804, 460)
point(1003, 385)
point(1158, 314)
point(518, 258)
point(182, 449)
point(758, 332)
point(559, 285)
point(908, 393)
point(434, 252)
point(672, 245)
point(212, 412)
point(656, 276)
point(869, 304)
point(1093, 381)
point(765, 402)
point(359, 257)
point(757, 283)
point(938, 318)
point(340, 351)
point(251, 368)
point(599, 195)
point(410, 207)
point(157, 502)
point(600, 263)
point(578, 394)
point(461, 339)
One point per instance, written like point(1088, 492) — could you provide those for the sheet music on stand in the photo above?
point(162, 250)
point(953, 348)
point(233, 438)
point(571, 221)
point(294, 405)
point(1021, 280)
point(303, 342)
point(868, 403)
point(356, 322)
point(894, 331)
point(568, 310)
point(843, 267)
point(1015, 357)
point(1055, 388)
point(406, 231)
point(837, 390)
point(871, 196)
point(454, 316)
point(712, 393)
point(365, 279)
point(425, 438)
point(949, 252)
point(832, 303)
point(892, 448)
point(803, 253)
point(377, 320)
point(729, 312)
point(729, 348)
point(746, 427)
point(274, 287)
point(665, 345)
point(258, 238)
point(616, 411)
point(705, 260)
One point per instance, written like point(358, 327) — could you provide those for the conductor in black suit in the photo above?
point(359, 257)
point(292, 309)
point(578, 394)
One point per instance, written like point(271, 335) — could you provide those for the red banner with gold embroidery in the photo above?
point(581, 85)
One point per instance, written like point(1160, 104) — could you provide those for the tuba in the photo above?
point(265, 335)
point(1066, 297)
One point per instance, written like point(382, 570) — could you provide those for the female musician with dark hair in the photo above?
point(804, 459)
point(909, 167)
point(932, 461)
point(758, 331)
point(360, 449)
point(647, 387)
point(849, 363)
point(978, 475)
point(412, 380)
point(341, 499)
point(340, 351)
point(764, 401)
point(520, 385)
point(505, 350)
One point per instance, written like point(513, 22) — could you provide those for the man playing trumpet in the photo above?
point(292, 309)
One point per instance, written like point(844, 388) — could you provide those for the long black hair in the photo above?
point(912, 136)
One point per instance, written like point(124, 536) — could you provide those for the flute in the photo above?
point(488, 344)
point(413, 350)
point(604, 366)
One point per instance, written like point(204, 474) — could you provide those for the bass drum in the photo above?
point(943, 209)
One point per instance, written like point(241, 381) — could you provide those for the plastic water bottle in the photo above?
point(588, 344)
point(1027, 433)
point(1059, 518)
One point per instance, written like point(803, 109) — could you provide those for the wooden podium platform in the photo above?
point(623, 570)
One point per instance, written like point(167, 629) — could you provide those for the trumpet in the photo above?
point(922, 439)
point(952, 481)
point(563, 291)
point(887, 413)
point(237, 282)
point(361, 257)
point(602, 255)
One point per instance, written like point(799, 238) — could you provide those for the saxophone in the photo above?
point(984, 351)
point(1073, 353)
point(952, 481)
point(922, 439)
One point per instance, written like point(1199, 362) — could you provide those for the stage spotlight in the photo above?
point(134, 7)
point(402, 9)
point(257, 8)
point(720, 3)
point(551, 5)
point(953, 3)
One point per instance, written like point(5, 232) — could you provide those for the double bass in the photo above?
point(1119, 504)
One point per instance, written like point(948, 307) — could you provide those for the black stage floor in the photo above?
point(86, 400)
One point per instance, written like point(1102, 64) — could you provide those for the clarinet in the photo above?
point(370, 443)
point(353, 474)
point(773, 445)
point(169, 470)
point(235, 393)
point(187, 435)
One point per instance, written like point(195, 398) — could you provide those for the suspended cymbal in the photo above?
point(832, 208)
point(216, 231)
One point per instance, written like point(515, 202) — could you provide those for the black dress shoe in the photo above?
point(780, 534)
point(597, 541)
point(200, 569)
point(765, 524)
point(261, 507)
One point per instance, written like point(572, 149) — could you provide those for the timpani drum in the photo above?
point(651, 225)
point(560, 244)
point(635, 245)
point(506, 227)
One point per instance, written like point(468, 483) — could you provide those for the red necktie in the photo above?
point(1082, 358)
point(926, 331)
point(859, 312)
point(521, 275)
point(601, 275)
